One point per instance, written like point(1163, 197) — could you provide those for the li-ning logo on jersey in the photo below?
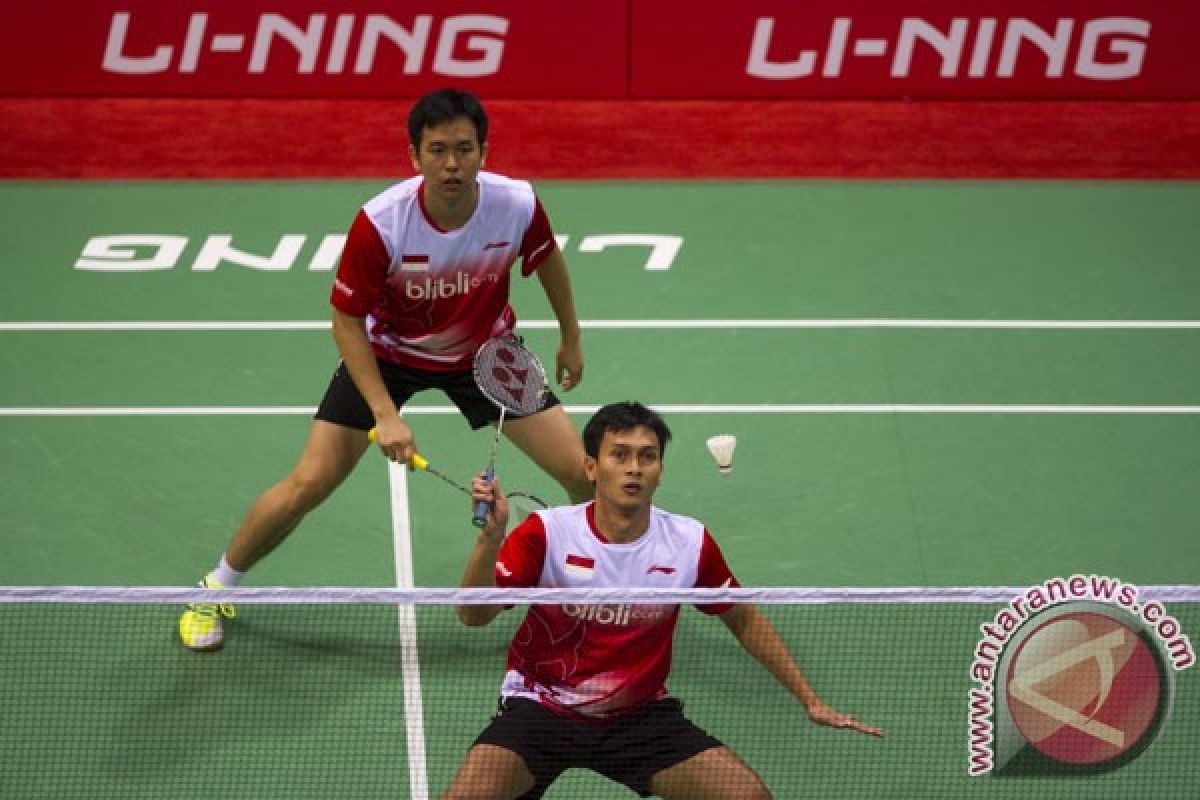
point(441, 288)
point(622, 614)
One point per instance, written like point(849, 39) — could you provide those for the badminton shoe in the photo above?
point(200, 626)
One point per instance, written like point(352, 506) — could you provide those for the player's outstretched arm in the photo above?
point(481, 563)
point(759, 638)
point(556, 283)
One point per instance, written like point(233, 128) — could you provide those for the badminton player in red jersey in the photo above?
point(585, 685)
point(423, 281)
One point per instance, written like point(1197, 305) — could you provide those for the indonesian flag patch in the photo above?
point(580, 566)
point(414, 263)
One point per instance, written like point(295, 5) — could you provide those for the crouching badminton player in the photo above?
point(588, 690)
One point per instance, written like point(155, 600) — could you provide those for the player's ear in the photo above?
point(589, 468)
point(483, 154)
point(412, 156)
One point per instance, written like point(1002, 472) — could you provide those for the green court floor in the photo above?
point(933, 384)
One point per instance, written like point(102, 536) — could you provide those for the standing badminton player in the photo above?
point(585, 687)
point(423, 282)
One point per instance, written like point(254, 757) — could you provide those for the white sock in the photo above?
point(226, 575)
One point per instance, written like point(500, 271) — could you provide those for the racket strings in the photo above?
point(511, 375)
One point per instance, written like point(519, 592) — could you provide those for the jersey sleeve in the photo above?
point(538, 241)
point(519, 562)
point(362, 271)
point(714, 573)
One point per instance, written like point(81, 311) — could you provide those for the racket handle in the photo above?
point(417, 461)
point(479, 518)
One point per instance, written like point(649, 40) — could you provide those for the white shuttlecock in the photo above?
point(721, 446)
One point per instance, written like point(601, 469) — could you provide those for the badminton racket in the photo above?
point(512, 377)
point(521, 504)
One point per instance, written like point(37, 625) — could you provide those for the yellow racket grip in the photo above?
point(417, 461)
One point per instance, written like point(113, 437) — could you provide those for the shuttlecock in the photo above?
point(721, 446)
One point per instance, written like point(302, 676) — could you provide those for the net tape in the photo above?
point(450, 596)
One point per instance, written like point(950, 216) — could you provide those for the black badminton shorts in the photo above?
point(630, 750)
point(344, 405)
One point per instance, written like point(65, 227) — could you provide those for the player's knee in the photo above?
point(754, 788)
point(473, 785)
point(749, 788)
point(307, 488)
point(759, 792)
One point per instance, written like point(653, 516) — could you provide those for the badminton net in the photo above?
point(362, 693)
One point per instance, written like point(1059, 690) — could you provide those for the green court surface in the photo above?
point(932, 384)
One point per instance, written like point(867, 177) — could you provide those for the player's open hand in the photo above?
point(569, 364)
point(483, 490)
point(822, 714)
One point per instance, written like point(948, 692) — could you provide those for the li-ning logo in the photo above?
point(1104, 49)
point(441, 288)
point(1069, 684)
point(338, 38)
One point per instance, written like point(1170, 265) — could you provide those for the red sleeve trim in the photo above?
point(523, 554)
point(362, 271)
point(538, 241)
point(713, 573)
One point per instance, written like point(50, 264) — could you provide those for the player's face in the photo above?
point(449, 158)
point(627, 468)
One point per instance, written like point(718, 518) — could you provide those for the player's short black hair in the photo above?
point(442, 106)
point(625, 416)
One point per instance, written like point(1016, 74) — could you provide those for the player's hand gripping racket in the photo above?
point(510, 375)
point(521, 504)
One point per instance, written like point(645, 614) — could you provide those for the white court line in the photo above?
point(665, 408)
point(641, 324)
point(414, 707)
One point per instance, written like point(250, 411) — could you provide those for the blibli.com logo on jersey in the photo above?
point(441, 288)
point(622, 614)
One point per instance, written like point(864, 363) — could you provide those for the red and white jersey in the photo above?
point(433, 296)
point(601, 661)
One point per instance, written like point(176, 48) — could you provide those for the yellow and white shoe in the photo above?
point(200, 625)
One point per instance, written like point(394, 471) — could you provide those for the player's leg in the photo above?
point(715, 774)
point(336, 441)
point(329, 455)
point(518, 755)
point(657, 750)
point(553, 443)
point(490, 773)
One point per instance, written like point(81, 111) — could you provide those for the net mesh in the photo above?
point(378, 693)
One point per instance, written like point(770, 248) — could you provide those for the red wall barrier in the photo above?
point(602, 49)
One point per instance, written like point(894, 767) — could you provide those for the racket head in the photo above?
point(511, 375)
